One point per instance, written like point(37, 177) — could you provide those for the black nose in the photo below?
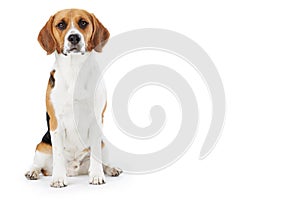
point(74, 39)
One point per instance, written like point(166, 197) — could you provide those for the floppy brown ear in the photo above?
point(99, 36)
point(46, 38)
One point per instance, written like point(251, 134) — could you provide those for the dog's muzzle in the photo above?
point(74, 44)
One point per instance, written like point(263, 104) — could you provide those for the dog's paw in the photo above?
point(112, 171)
point(59, 182)
point(32, 175)
point(98, 179)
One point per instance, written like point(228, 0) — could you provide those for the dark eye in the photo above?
point(61, 25)
point(82, 24)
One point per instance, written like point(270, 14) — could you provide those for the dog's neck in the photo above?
point(68, 66)
point(71, 62)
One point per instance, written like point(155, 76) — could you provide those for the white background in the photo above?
point(255, 46)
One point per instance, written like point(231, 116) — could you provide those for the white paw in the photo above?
point(97, 179)
point(32, 175)
point(59, 182)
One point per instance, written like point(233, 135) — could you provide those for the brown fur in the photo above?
point(46, 38)
point(44, 148)
point(99, 37)
point(49, 105)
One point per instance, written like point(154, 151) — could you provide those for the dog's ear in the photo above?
point(46, 38)
point(99, 36)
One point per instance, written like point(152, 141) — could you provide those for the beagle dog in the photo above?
point(73, 144)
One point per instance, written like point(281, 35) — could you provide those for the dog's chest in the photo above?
point(76, 101)
point(73, 112)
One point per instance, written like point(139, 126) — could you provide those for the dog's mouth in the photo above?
point(73, 50)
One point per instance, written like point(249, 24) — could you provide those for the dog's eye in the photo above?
point(82, 24)
point(61, 25)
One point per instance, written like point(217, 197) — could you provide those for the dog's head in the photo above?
point(73, 31)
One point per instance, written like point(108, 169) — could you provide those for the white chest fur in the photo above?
point(75, 99)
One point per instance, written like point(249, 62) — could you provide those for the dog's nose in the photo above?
point(74, 39)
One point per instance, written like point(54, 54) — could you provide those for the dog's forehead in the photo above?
point(71, 14)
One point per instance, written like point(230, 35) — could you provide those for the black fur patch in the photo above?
point(47, 137)
point(51, 79)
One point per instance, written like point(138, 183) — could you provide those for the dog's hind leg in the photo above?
point(42, 162)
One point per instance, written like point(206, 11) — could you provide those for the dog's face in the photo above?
point(73, 31)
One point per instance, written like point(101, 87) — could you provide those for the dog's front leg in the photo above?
point(96, 174)
point(59, 177)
